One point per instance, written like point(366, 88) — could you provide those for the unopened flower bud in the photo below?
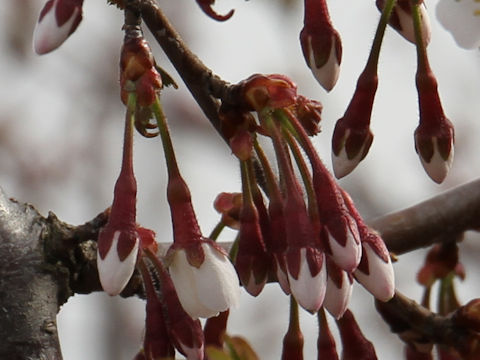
point(242, 145)
point(352, 137)
point(58, 20)
point(402, 21)
point(375, 271)
point(339, 290)
point(229, 205)
point(434, 136)
point(321, 44)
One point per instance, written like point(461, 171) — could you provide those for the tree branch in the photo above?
point(438, 219)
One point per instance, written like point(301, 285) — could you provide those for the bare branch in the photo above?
point(440, 218)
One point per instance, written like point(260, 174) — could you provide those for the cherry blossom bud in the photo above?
point(205, 287)
point(352, 137)
point(402, 21)
point(242, 145)
point(307, 277)
point(355, 345)
point(184, 332)
point(340, 234)
point(434, 136)
point(375, 271)
point(268, 91)
point(118, 241)
point(321, 44)
point(251, 261)
point(116, 259)
point(58, 20)
point(462, 20)
point(339, 290)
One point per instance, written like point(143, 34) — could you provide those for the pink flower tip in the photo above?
point(436, 156)
point(57, 21)
point(116, 258)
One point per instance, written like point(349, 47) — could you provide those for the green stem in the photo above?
point(372, 61)
point(422, 58)
point(216, 231)
point(166, 139)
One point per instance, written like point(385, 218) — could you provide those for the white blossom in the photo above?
point(462, 19)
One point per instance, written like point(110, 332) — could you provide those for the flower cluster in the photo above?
point(314, 248)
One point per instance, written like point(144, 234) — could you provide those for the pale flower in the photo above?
point(462, 19)
point(207, 289)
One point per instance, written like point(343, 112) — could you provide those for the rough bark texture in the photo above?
point(28, 289)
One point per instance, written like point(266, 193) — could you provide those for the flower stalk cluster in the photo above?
point(306, 234)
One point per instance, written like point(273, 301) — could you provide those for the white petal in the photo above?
point(182, 274)
point(327, 74)
point(406, 24)
point(438, 168)
point(336, 300)
point(342, 165)
point(217, 281)
point(346, 257)
point(113, 273)
point(462, 19)
point(380, 281)
point(47, 35)
point(309, 291)
point(282, 278)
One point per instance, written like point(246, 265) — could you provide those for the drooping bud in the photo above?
point(352, 137)
point(375, 271)
point(434, 136)
point(251, 261)
point(321, 44)
point(461, 19)
point(185, 333)
point(118, 241)
point(402, 20)
point(355, 345)
point(58, 20)
point(339, 290)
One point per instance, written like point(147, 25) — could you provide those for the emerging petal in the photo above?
point(339, 290)
point(437, 167)
point(462, 19)
point(58, 20)
point(308, 289)
point(113, 271)
point(208, 289)
point(375, 271)
point(347, 257)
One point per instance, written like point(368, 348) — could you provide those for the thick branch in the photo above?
point(199, 79)
point(28, 288)
point(442, 217)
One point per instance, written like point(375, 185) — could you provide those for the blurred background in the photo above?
point(61, 125)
